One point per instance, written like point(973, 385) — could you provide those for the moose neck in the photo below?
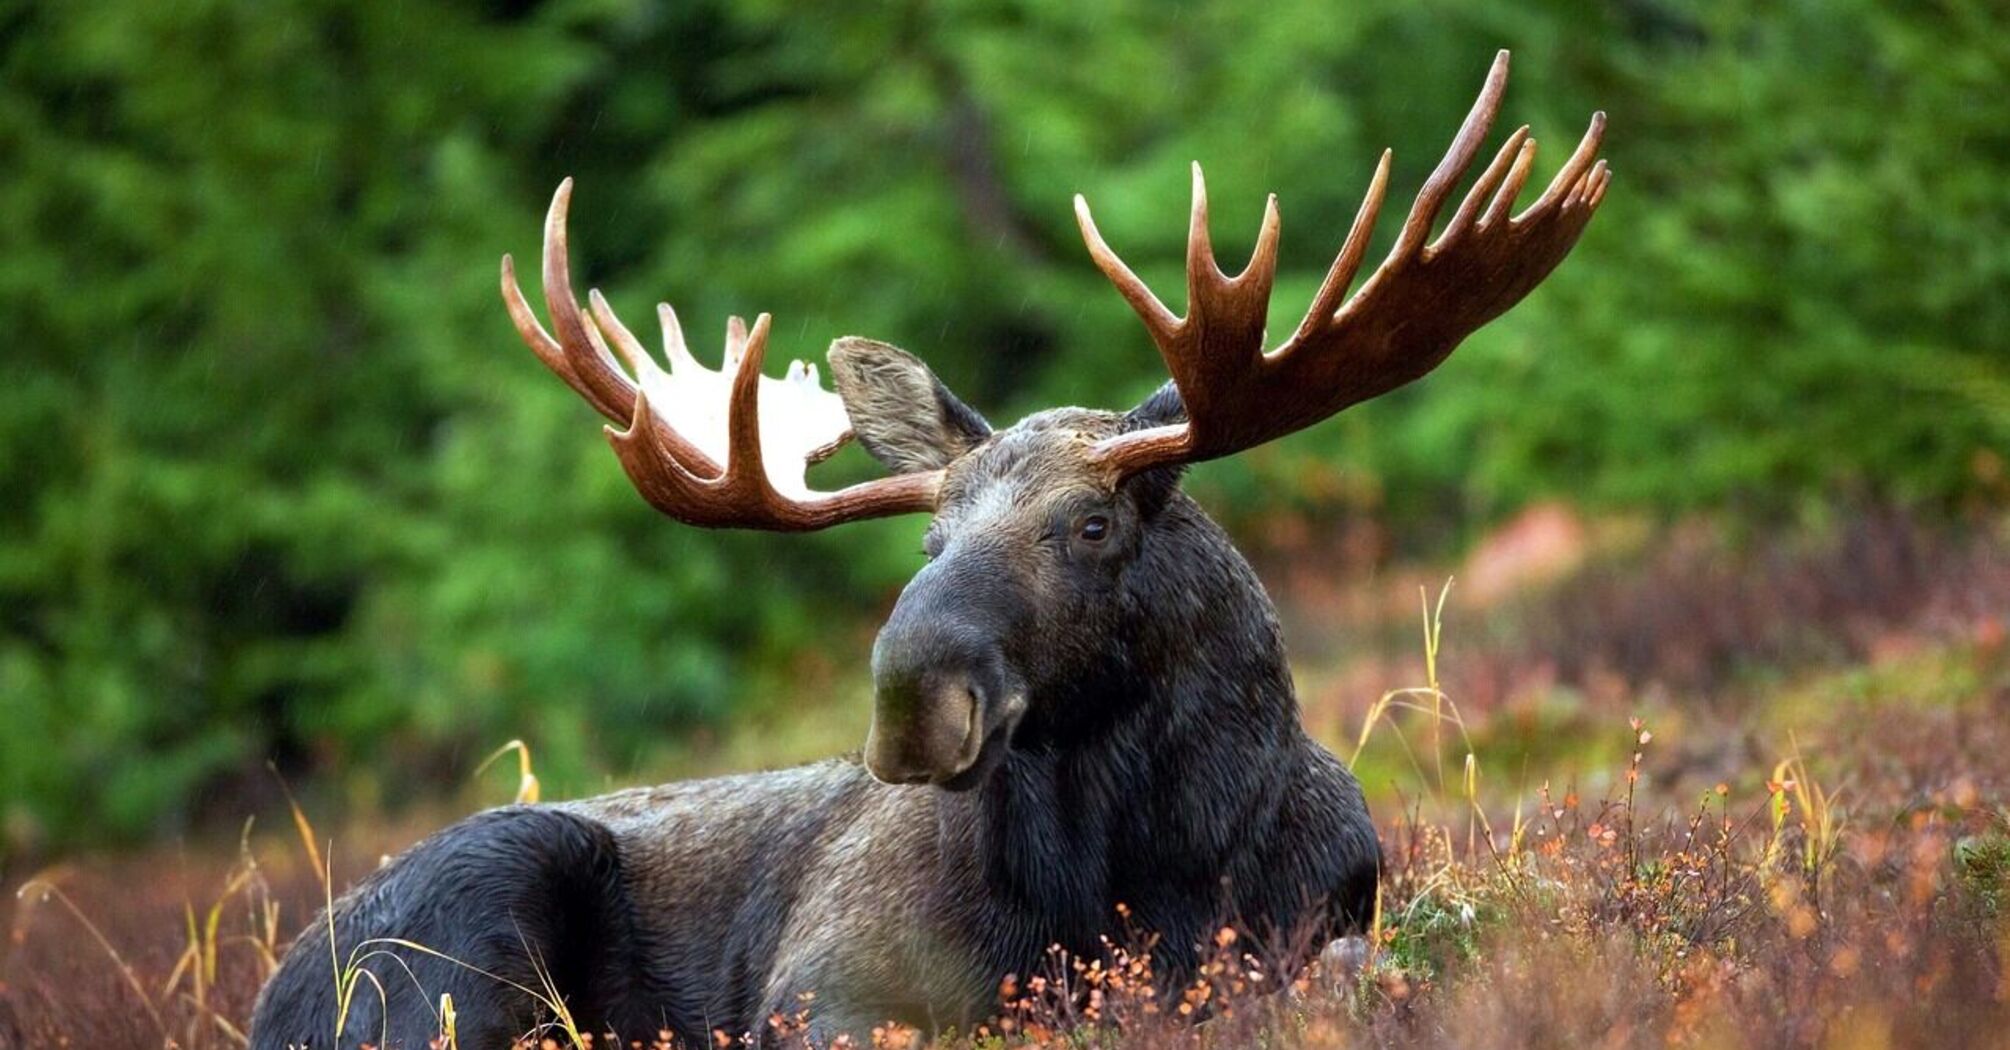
point(1176, 752)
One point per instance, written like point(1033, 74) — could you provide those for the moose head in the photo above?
point(1052, 538)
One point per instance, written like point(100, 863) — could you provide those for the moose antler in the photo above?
point(678, 467)
point(1406, 319)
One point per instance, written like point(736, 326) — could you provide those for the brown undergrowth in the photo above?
point(1617, 614)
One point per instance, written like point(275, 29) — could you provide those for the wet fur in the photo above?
point(1161, 764)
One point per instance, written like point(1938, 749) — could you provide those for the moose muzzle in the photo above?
point(945, 703)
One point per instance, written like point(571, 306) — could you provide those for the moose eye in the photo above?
point(1094, 529)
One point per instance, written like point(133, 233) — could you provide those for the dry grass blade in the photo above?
point(527, 788)
point(300, 822)
point(42, 889)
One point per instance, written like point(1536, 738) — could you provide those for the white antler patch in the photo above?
point(801, 422)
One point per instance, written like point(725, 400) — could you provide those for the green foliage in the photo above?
point(1982, 862)
point(281, 483)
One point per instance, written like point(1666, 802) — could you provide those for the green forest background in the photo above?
point(279, 483)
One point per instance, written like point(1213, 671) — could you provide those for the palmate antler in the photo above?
point(678, 466)
point(1406, 319)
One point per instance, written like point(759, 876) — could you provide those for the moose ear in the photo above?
point(1153, 488)
point(1163, 408)
point(902, 414)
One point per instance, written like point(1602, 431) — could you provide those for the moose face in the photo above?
point(1026, 560)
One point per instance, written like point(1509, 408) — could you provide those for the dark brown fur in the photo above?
point(1086, 724)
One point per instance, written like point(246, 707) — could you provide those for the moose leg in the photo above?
point(499, 912)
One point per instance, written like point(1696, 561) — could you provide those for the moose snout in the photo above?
point(927, 726)
point(944, 701)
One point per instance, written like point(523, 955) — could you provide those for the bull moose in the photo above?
point(1081, 700)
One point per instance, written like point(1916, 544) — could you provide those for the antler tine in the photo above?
point(1572, 170)
point(1465, 147)
point(1604, 179)
point(743, 417)
point(736, 339)
point(540, 341)
point(624, 341)
point(1340, 276)
point(1200, 264)
point(601, 379)
point(1159, 321)
point(1262, 266)
point(675, 349)
point(1511, 189)
point(1511, 154)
